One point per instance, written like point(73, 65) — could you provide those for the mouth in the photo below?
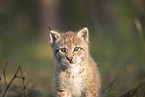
point(71, 62)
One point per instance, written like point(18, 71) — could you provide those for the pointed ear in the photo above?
point(54, 36)
point(84, 34)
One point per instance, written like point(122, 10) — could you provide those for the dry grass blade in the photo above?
point(140, 33)
point(109, 86)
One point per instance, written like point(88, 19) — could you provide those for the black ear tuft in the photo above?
point(87, 25)
point(49, 28)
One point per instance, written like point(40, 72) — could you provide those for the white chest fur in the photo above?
point(75, 81)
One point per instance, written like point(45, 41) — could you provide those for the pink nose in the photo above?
point(69, 58)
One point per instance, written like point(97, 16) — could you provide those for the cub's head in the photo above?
point(70, 48)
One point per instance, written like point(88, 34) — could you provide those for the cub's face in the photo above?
point(70, 49)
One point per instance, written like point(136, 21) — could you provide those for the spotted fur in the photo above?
point(76, 73)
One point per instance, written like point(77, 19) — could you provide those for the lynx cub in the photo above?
point(76, 74)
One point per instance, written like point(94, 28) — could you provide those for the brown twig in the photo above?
point(5, 74)
point(109, 86)
point(15, 76)
point(22, 77)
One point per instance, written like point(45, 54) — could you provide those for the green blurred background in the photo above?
point(117, 31)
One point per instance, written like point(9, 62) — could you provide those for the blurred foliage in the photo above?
point(117, 39)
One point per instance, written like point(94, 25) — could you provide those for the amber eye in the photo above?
point(63, 50)
point(76, 49)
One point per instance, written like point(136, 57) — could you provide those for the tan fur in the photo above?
point(76, 74)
